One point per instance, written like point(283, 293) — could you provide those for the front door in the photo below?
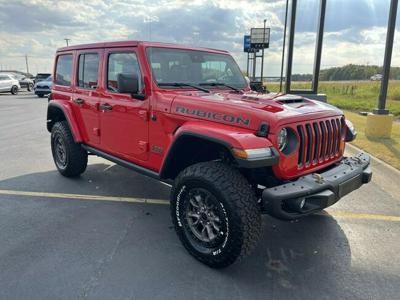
point(86, 97)
point(123, 119)
point(3, 83)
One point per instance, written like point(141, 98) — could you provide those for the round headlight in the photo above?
point(282, 139)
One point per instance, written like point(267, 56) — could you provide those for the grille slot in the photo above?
point(319, 141)
point(301, 149)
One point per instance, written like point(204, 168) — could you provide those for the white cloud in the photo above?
point(38, 28)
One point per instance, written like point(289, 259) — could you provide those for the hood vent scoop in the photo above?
point(290, 100)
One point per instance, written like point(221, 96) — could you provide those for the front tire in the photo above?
point(14, 90)
point(215, 213)
point(40, 95)
point(70, 158)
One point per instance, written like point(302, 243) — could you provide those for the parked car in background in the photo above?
point(8, 83)
point(43, 87)
point(24, 81)
point(376, 77)
point(41, 77)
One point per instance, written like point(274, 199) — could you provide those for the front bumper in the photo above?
point(317, 191)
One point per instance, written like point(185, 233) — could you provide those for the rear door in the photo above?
point(8, 83)
point(86, 96)
point(124, 120)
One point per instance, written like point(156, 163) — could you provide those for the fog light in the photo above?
point(302, 203)
point(297, 204)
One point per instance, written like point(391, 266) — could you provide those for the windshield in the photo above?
point(42, 76)
point(194, 68)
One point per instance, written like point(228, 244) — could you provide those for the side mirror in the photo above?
point(128, 83)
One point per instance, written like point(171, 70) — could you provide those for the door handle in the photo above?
point(105, 107)
point(78, 101)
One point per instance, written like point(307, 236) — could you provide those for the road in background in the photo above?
point(66, 248)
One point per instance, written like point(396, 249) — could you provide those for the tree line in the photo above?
point(349, 72)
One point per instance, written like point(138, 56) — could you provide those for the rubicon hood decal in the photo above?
point(215, 116)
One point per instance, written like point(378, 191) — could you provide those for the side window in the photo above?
point(88, 70)
point(122, 63)
point(64, 69)
point(2, 78)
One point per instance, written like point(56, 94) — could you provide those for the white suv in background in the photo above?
point(9, 83)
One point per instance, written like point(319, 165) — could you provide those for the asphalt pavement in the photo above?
point(108, 234)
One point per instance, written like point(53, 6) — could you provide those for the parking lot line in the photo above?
point(83, 197)
point(333, 213)
point(361, 216)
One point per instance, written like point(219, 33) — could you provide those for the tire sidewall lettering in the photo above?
point(180, 197)
point(177, 208)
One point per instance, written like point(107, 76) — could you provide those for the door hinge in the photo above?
point(143, 146)
point(143, 114)
point(96, 131)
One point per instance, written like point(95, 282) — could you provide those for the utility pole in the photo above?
point(67, 41)
point(26, 62)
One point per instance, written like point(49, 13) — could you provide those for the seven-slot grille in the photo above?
point(319, 140)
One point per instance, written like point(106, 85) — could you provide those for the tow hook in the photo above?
point(318, 178)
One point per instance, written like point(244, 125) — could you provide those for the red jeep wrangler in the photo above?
point(186, 116)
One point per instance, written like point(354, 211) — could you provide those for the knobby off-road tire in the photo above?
point(70, 158)
point(221, 192)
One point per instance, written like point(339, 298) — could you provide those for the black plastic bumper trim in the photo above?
point(319, 190)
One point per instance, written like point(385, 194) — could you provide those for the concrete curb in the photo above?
point(355, 149)
point(383, 174)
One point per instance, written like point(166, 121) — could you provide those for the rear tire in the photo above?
point(215, 213)
point(70, 158)
point(14, 90)
point(30, 87)
point(40, 95)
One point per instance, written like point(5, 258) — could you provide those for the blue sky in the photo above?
point(355, 29)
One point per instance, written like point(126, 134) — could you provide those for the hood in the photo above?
point(248, 110)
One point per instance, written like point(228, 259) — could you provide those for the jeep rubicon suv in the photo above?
point(187, 116)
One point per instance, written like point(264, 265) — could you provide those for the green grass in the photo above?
point(387, 150)
point(353, 95)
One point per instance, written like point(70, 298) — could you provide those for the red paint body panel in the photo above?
point(142, 131)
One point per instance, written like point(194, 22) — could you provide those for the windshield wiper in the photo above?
point(221, 84)
point(180, 84)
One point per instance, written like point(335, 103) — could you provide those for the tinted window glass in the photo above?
point(122, 63)
point(194, 67)
point(2, 77)
point(88, 70)
point(64, 70)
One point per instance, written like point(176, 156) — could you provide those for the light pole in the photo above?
point(67, 41)
point(380, 122)
point(284, 45)
point(262, 55)
point(381, 110)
